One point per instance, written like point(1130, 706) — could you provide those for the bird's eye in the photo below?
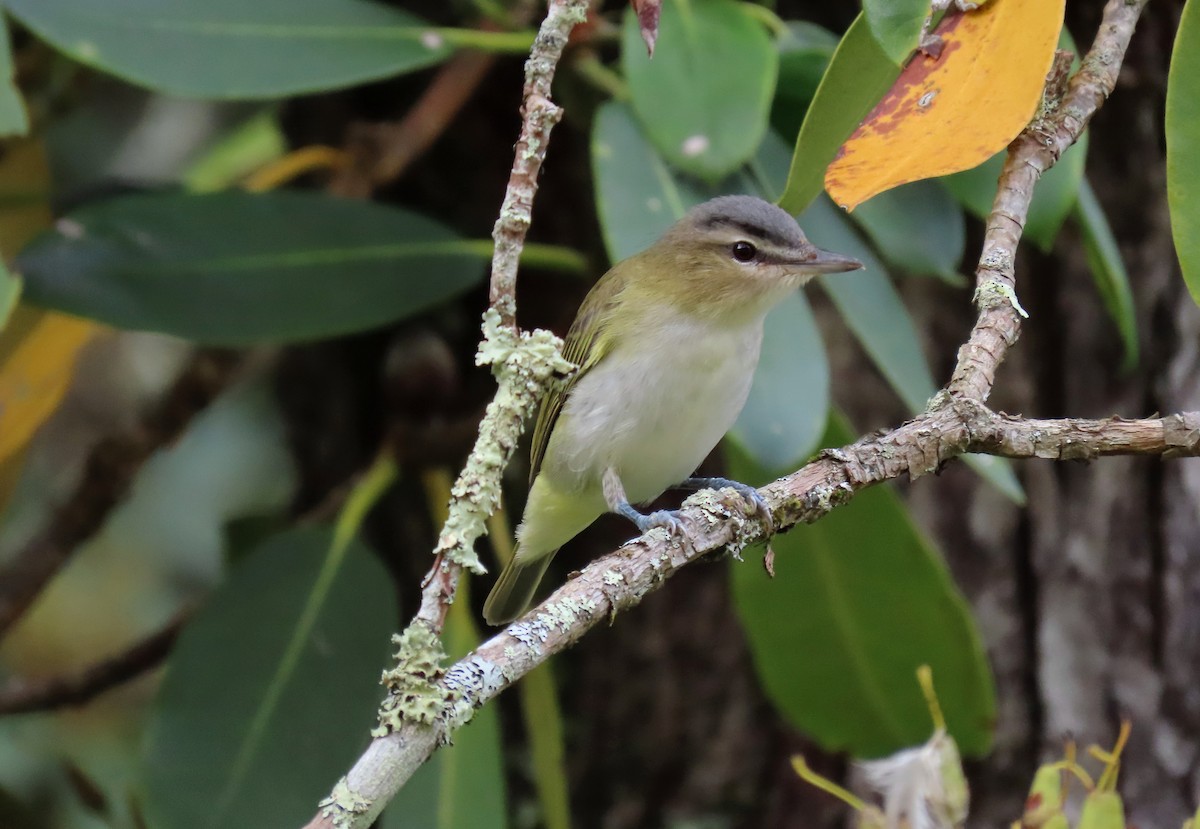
point(744, 251)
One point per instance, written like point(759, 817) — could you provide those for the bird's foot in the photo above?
point(758, 504)
point(665, 518)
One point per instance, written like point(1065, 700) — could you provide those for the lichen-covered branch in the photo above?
point(539, 115)
point(1058, 125)
point(422, 704)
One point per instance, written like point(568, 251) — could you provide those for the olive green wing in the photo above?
point(585, 346)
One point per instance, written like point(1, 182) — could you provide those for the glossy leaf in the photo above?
point(237, 268)
point(1108, 270)
point(918, 228)
point(1053, 197)
point(705, 97)
point(932, 122)
point(781, 422)
point(271, 688)
point(1183, 145)
point(13, 118)
point(860, 599)
point(235, 49)
point(804, 52)
point(637, 198)
point(896, 25)
point(859, 73)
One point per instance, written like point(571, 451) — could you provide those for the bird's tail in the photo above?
point(514, 589)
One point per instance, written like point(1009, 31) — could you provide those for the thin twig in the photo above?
point(25, 696)
point(955, 422)
point(109, 472)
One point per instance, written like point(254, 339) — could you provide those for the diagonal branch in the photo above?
point(108, 474)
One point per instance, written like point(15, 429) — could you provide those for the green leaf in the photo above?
point(271, 688)
point(804, 53)
point(857, 77)
point(705, 96)
point(10, 293)
point(789, 399)
point(861, 599)
point(237, 153)
point(1053, 197)
point(896, 25)
point(1183, 145)
point(1108, 270)
point(236, 268)
point(236, 49)
point(13, 119)
point(917, 228)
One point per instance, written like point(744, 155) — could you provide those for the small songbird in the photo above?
point(666, 344)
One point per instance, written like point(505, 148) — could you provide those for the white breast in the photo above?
point(654, 415)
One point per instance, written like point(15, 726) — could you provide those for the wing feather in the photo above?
point(585, 346)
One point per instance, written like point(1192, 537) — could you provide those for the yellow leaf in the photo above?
point(954, 112)
point(37, 347)
point(37, 357)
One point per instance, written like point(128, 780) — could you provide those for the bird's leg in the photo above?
point(614, 496)
point(757, 503)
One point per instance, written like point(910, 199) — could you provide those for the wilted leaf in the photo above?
point(37, 358)
point(233, 48)
point(896, 25)
point(857, 75)
point(648, 12)
point(271, 687)
point(953, 112)
point(860, 599)
point(1183, 145)
point(236, 268)
point(705, 97)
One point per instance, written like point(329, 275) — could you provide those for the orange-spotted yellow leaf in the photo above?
point(952, 113)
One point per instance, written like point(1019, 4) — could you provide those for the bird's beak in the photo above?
point(828, 262)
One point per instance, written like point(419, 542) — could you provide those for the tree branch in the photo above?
point(1057, 126)
point(109, 472)
point(21, 697)
point(435, 701)
point(524, 363)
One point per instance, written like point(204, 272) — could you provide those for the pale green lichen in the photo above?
point(994, 292)
point(343, 805)
point(468, 684)
point(612, 578)
point(414, 691)
point(523, 364)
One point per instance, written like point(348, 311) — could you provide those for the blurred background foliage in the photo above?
point(311, 183)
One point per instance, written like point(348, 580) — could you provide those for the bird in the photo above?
point(665, 344)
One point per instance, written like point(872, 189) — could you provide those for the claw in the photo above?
point(758, 504)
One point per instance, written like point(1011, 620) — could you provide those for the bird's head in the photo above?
point(737, 252)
